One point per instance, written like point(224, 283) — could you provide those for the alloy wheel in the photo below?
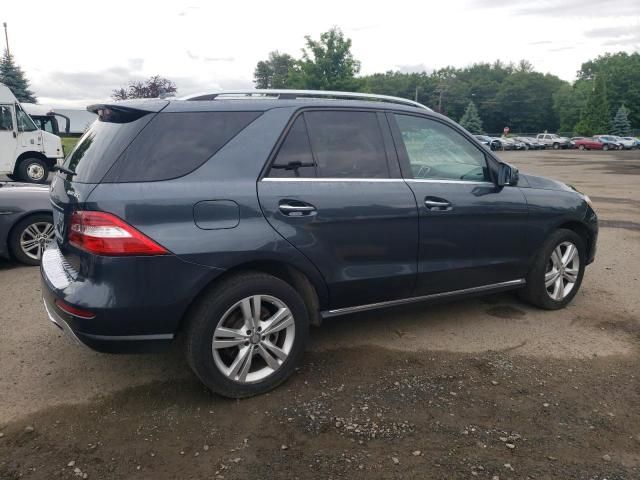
point(34, 239)
point(253, 338)
point(562, 271)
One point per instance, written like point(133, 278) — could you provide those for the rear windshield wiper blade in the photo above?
point(59, 168)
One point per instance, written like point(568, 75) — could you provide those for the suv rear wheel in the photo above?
point(247, 335)
point(557, 271)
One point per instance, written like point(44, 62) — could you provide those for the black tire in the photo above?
point(582, 147)
point(206, 314)
point(535, 291)
point(28, 168)
point(556, 146)
point(16, 233)
point(605, 147)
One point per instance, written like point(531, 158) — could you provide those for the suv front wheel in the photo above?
point(247, 335)
point(557, 271)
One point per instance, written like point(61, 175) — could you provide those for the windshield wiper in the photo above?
point(59, 168)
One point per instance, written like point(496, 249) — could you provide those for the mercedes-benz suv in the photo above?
point(234, 221)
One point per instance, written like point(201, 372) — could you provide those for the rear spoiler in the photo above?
point(127, 111)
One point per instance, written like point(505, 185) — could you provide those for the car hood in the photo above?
point(18, 188)
point(543, 183)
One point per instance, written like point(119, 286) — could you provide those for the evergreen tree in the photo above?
point(620, 125)
point(471, 119)
point(14, 78)
point(595, 118)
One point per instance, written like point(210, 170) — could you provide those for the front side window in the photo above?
point(6, 120)
point(25, 124)
point(347, 144)
point(436, 151)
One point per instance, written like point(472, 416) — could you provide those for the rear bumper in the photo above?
point(138, 302)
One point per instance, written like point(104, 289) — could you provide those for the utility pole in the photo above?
point(6, 37)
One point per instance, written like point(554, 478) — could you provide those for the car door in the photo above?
point(8, 140)
point(471, 230)
point(335, 192)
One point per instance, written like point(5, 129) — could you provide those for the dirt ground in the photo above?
point(487, 388)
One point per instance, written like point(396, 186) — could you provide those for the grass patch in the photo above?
point(68, 143)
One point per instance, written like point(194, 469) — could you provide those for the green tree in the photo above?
point(620, 125)
point(152, 87)
point(326, 64)
point(471, 120)
point(14, 78)
point(621, 73)
point(273, 72)
point(569, 101)
point(595, 117)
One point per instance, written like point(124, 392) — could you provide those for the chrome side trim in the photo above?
point(403, 301)
point(160, 336)
point(61, 324)
point(367, 180)
point(435, 180)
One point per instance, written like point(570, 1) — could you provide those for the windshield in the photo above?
point(25, 124)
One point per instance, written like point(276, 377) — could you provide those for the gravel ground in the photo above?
point(488, 388)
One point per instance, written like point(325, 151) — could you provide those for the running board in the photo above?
point(434, 296)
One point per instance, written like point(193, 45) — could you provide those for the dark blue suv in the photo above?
point(234, 221)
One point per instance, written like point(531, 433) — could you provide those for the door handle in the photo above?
point(296, 210)
point(437, 204)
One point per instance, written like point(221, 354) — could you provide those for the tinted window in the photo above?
point(436, 151)
point(294, 158)
point(100, 146)
point(6, 121)
point(347, 144)
point(175, 144)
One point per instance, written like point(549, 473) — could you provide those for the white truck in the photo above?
point(26, 152)
point(552, 140)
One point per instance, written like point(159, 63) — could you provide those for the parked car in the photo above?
point(609, 142)
point(627, 143)
point(551, 140)
point(25, 221)
point(635, 143)
point(587, 143)
point(530, 143)
point(489, 142)
point(238, 222)
point(503, 144)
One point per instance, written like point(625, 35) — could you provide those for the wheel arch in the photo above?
point(314, 295)
point(32, 154)
point(582, 231)
point(19, 219)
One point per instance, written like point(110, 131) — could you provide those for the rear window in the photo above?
point(175, 144)
point(100, 146)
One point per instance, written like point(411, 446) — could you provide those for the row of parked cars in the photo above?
point(554, 141)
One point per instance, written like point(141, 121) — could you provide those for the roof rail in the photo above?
point(293, 94)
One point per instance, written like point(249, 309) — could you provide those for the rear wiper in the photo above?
point(59, 168)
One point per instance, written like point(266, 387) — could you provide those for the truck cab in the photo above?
point(27, 153)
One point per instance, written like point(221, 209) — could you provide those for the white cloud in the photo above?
point(79, 52)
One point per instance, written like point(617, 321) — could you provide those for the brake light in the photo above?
point(75, 311)
point(103, 233)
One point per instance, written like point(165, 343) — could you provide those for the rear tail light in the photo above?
point(103, 233)
point(75, 311)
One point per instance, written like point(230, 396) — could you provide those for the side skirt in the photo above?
point(494, 287)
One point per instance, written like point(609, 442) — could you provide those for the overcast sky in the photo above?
point(78, 52)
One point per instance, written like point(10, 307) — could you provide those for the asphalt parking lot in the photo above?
point(487, 388)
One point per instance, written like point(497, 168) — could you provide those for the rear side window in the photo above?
point(295, 158)
point(100, 146)
point(347, 144)
point(175, 144)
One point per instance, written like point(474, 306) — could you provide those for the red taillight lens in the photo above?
point(105, 234)
point(75, 311)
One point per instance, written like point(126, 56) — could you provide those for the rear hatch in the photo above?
point(93, 156)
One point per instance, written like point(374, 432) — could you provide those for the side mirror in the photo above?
point(507, 175)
